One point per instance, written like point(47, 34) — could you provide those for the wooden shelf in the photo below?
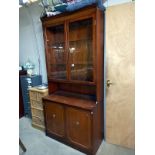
point(81, 40)
point(72, 81)
point(84, 64)
point(58, 64)
point(72, 99)
point(54, 44)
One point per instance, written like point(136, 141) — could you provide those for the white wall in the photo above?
point(31, 44)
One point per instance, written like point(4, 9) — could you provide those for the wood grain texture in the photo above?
point(79, 127)
point(55, 118)
point(68, 99)
point(120, 97)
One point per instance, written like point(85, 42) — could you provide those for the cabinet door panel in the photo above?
point(81, 50)
point(54, 118)
point(79, 127)
point(56, 55)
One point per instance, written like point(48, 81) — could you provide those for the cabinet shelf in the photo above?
point(86, 102)
point(72, 81)
point(59, 64)
point(56, 45)
point(81, 40)
point(60, 45)
point(64, 64)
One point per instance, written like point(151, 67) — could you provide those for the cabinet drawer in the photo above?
point(54, 115)
point(40, 96)
point(33, 95)
point(37, 113)
point(79, 127)
point(36, 104)
point(38, 121)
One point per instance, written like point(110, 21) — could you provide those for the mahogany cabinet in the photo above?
point(73, 110)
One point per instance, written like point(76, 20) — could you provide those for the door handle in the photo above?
point(109, 83)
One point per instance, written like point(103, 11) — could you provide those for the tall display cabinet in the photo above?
point(74, 57)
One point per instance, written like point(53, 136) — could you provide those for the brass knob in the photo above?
point(53, 115)
point(109, 83)
point(77, 123)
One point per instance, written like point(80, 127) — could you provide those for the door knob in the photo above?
point(77, 123)
point(109, 83)
point(53, 115)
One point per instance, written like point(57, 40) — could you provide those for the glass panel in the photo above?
point(56, 52)
point(81, 50)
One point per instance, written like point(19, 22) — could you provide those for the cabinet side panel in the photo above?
point(52, 87)
point(99, 77)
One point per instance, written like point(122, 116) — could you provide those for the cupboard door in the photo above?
point(54, 115)
point(56, 55)
point(79, 127)
point(81, 50)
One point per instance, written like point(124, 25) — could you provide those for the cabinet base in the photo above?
point(65, 141)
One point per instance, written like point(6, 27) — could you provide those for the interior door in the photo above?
point(120, 91)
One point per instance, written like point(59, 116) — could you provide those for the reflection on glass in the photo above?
point(82, 72)
point(58, 71)
point(57, 56)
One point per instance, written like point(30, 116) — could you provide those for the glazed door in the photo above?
point(55, 51)
point(81, 50)
point(120, 91)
